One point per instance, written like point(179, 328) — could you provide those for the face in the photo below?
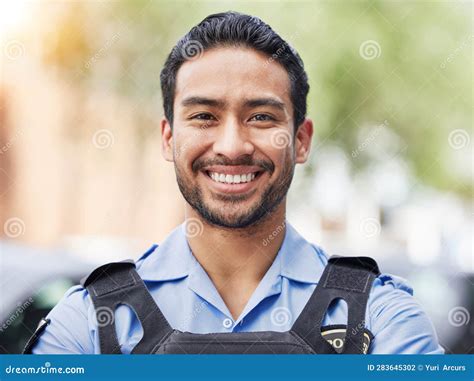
point(232, 142)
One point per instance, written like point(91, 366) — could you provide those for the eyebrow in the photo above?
point(249, 103)
point(271, 102)
point(202, 101)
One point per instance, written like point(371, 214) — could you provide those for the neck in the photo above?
point(238, 254)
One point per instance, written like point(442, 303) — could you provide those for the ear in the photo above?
point(166, 140)
point(303, 138)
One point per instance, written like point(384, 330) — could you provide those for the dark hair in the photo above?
point(235, 29)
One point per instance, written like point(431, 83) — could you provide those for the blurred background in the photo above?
point(82, 180)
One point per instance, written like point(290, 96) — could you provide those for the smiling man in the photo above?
point(236, 277)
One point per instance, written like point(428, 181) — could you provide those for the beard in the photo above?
point(234, 216)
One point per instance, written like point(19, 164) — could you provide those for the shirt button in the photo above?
point(227, 323)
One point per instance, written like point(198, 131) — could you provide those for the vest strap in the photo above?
point(119, 283)
point(347, 278)
point(36, 335)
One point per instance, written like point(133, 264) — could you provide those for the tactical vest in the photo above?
point(347, 278)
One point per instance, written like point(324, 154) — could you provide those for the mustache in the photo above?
point(266, 165)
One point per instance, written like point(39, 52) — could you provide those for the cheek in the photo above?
point(275, 144)
point(187, 148)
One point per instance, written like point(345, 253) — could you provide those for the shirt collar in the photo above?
point(170, 260)
point(297, 259)
point(301, 261)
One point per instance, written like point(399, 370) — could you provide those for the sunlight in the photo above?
point(12, 15)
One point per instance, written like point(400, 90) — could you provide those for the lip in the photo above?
point(233, 188)
point(233, 169)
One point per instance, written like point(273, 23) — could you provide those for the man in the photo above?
point(235, 126)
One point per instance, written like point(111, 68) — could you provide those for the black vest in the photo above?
point(347, 278)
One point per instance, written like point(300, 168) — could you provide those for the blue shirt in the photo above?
point(190, 302)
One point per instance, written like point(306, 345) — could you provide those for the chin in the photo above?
point(237, 217)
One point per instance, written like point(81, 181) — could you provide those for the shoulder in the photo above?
point(72, 324)
point(68, 330)
point(388, 287)
point(395, 317)
point(398, 320)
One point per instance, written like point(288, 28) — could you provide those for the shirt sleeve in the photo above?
point(68, 331)
point(398, 321)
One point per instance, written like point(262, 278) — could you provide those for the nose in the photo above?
point(232, 141)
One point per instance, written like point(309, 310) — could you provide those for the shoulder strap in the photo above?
point(347, 278)
point(36, 335)
point(119, 283)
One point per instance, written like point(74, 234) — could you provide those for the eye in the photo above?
point(203, 116)
point(262, 118)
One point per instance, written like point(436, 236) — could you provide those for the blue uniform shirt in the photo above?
point(190, 302)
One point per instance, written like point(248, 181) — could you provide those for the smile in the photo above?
point(232, 179)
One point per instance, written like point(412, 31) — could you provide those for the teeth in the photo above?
point(232, 179)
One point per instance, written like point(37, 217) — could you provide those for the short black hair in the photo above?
point(236, 29)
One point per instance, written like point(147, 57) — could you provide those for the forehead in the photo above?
point(233, 74)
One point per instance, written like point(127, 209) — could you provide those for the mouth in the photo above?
point(233, 179)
